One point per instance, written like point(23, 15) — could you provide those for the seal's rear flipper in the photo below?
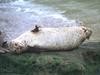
point(3, 50)
point(36, 29)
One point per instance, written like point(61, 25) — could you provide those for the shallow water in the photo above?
point(88, 11)
point(17, 16)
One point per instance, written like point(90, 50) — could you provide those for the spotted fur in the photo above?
point(62, 38)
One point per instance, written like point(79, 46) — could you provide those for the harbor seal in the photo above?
point(44, 39)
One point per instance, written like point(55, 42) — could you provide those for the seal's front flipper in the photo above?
point(36, 29)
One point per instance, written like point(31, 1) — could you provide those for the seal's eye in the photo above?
point(16, 44)
point(84, 29)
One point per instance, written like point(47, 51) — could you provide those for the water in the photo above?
point(18, 16)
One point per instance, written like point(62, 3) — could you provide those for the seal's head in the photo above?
point(87, 32)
